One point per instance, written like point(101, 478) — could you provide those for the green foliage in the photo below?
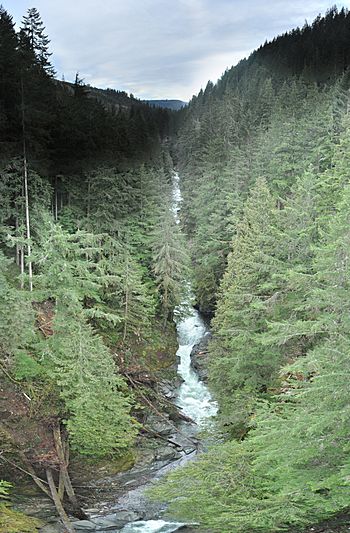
point(4, 489)
point(239, 362)
point(170, 264)
point(292, 470)
point(17, 325)
point(98, 176)
point(136, 303)
point(26, 367)
point(285, 292)
point(95, 396)
point(67, 263)
point(264, 160)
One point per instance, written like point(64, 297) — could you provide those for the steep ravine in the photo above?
point(122, 506)
point(193, 398)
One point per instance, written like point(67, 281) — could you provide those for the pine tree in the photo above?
point(170, 265)
point(137, 304)
point(300, 231)
point(68, 269)
point(33, 29)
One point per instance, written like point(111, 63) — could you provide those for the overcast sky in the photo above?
point(159, 48)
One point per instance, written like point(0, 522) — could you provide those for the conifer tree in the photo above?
point(137, 304)
point(170, 265)
point(33, 30)
point(300, 231)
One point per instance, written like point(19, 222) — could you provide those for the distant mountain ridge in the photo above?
point(110, 98)
point(175, 105)
point(115, 99)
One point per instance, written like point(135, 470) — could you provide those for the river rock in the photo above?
point(159, 425)
point(115, 520)
point(109, 522)
point(169, 387)
point(199, 357)
point(84, 525)
point(52, 528)
point(167, 453)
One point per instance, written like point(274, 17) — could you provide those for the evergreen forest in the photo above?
point(93, 267)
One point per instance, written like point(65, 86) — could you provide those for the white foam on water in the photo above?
point(152, 526)
point(194, 397)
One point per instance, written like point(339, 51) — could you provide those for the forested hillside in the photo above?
point(93, 265)
point(87, 278)
point(264, 159)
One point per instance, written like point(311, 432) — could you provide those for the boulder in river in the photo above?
point(160, 425)
point(199, 357)
point(109, 522)
point(169, 388)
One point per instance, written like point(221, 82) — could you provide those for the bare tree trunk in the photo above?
point(56, 201)
point(18, 259)
point(22, 266)
point(166, 310)
point(22, 246)
point(88, 200)
point(29, 248)
point(64, 467)
point(61, 197)
point(58, 504)
point(61, 486)
point(141, 195)
point(26, 195)
point(126, 312)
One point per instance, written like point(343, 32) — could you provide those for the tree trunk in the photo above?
point(58, 504)
point(56, 201)
point(64, 467)
point(166, 309)
point(22, 246)
point(61, 486)
point(88, 200)
point(18, 249)
point(22, 267)
point(26, 194)
point(126, 312)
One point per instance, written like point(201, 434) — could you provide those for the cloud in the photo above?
point(161, 48)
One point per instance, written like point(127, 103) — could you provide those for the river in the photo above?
point(193, 396)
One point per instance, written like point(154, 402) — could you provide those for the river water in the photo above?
point(193, 396)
